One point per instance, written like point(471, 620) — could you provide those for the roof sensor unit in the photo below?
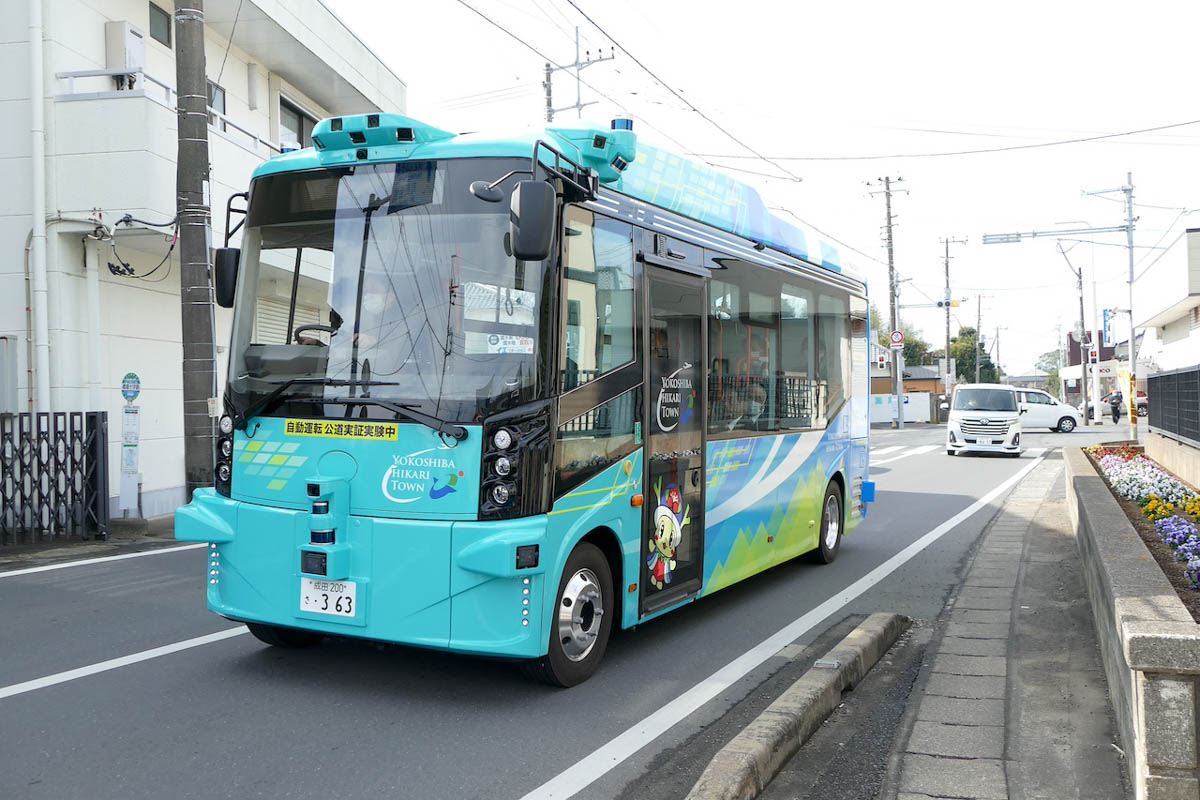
point(405, 135)
point(335, 124)
point(372, 120)
point(599, 142)
point(619, 164)
point(317, 143)
point(622, 124)
point(361, 154)
point(358, 137)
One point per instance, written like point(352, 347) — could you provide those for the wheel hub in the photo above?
point(580, 614)
point(833, 522)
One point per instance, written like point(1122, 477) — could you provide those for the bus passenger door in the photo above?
point(673, 520)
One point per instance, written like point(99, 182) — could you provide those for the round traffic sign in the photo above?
point(897, 340)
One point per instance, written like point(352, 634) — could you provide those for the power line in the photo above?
point(680, 97)
point(544, 57)
point(1080, 140)
point(237, 14)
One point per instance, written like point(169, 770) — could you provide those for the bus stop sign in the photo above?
point(131, 386)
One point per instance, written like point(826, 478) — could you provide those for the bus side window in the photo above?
point(592, 442)
point(743, 346)
point(833, 354)
point(797, 381)
point(599, 297)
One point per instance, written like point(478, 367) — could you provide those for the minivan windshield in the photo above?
point(985, 400)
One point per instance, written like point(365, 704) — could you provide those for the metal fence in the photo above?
point(53, 476)
point(1174, 399)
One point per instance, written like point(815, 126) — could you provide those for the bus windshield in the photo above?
point(985, 400)
point(389, 281)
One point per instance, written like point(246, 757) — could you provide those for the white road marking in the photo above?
point(117, 663)
point(1034, 452)
point(583, 773)
point(83, 562)
point(915, 451)
point(879, 451)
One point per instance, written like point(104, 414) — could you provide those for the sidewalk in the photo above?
point(1011, 699)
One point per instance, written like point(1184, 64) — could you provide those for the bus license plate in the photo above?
point(338, 598)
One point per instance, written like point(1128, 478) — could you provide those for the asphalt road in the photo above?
point(230, 717)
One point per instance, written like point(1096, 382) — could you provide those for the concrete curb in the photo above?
point(744, 766)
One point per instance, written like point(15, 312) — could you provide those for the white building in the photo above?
point(1167, 301)
point(108, 69)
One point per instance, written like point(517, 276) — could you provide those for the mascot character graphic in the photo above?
point(669, 522)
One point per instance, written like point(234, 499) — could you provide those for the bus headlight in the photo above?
point(503, 466)
point(223, 472)
point(503, 439)
point(500, 494)
point(226, 425)
point(226, 448)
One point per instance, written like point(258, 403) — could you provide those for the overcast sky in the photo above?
point(801, 82)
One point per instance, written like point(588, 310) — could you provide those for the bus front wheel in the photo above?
point(582, 620)
point(282, 637)
point(830, 540)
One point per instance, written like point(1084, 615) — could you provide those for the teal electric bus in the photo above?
point(499, 395)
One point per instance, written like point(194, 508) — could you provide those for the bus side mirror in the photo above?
point(225, 271)
point(531, 220)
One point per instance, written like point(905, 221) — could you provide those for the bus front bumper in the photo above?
point(447, 585)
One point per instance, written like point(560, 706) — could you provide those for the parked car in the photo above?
point(1105, 405)
point(985, 418)
point(1043, 411)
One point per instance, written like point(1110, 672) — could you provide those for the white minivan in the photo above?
point(984, 418)
point(1040, 410)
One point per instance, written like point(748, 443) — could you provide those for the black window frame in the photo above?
point(305, 119)
point(157, 8)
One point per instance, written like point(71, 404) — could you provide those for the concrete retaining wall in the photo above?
point(1182, 459)
point(1148, 641)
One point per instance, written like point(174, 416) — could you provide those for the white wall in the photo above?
point(918, 407)
point(115, 155)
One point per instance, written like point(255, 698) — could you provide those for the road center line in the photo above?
point(85, 561)
point(116, 663)
point(583, 773)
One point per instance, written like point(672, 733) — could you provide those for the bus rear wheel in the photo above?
point(581, 623)
point(276, 636)
point(830, 541)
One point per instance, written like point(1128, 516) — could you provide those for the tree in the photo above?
point(962, 350)
point(877, 327)
point(1048, 361)
point(916, 349)
point(1053, 383)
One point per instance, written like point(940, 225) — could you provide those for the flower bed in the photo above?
point(1164, 511)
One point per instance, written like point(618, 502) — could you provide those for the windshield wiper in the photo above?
point(240, 418)
point(457, 432)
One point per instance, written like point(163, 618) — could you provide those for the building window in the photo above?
point(295, 127)
point(160, 25)
point(216, 102)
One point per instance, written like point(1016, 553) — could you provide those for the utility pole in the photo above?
point(578, 67)
point(893, 297)
point(947, 242)
point(195, 235)
point(978, 328)
point(1129, 220)
point(1083, 355)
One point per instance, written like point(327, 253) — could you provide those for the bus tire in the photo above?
point(276, 636)
point(582, 621)
point(832, 523)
